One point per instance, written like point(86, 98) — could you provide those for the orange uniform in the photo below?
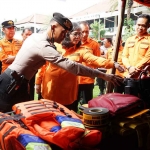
point(137, 52)
point(109, 55)
point(61, 86)
point(92, 44)
point(8, 48)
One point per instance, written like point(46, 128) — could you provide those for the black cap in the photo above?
point(7, 24)
point(63, 21)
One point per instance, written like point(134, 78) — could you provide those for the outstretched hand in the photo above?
point(114, 79)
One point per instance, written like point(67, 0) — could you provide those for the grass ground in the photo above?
point(95, 93)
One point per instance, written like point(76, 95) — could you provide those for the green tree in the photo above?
point(129, 6)
point(129, 28)
point(98, 29)
point(129, 3)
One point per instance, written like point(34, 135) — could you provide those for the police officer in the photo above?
point(9, 46)
point(36, 50)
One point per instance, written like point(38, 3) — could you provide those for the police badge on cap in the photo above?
point(8, 24)
point(63, 21)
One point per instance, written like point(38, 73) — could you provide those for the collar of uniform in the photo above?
point(143, 37)
point(5, 40)
point(87, 41)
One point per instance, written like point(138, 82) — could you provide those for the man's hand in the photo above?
point(114, 79)
point(38, 88)
point(119, 67)
point(9, 59)
point(132, 70)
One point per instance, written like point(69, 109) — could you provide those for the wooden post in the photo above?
point(118, 38)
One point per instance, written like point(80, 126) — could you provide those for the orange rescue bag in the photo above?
point(55, 123)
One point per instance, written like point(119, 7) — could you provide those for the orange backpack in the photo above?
point(56, 124)
point(14, 137)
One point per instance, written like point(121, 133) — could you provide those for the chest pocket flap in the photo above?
point(131, 44)
point(144, 45)
point(75, 57)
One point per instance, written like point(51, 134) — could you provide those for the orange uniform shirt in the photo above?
point(61, 86)
point(8, 48)
point(109, 55)
point(137, 52)
point(92, 44)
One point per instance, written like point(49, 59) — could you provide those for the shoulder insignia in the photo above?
point(75, 54)
point(53, 46)
point(0, 49)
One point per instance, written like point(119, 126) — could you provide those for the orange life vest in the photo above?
point(56, 124)
point(14, 137)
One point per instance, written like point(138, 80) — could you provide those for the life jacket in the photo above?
point(56, 124)
point(14, 137)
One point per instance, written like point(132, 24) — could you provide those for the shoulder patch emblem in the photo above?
point(0, 49)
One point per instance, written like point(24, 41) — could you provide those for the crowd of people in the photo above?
point(64, 61)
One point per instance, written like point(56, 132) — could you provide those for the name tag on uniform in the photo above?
point(75, 54)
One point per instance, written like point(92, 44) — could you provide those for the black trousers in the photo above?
point(101, 84)
point(86, 91)
point(32, 83)
point(8, 100)
point(73, 106)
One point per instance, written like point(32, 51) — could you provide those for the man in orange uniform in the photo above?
point(107, 43)
point(9, 46)
point(136, 53)
point(110, 52)
point(86, 84)
point(109, 55)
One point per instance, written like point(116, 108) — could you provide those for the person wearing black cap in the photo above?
point(35, 51)
point(9, 46)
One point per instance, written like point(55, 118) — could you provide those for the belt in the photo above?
point(8, 72)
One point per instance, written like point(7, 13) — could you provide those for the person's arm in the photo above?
point(100, 62)
point(9, 59)
point(51, 55)
point(4, 57)
point(144, 61)
point(96, 50)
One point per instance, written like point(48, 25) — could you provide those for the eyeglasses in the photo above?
point(76, 34)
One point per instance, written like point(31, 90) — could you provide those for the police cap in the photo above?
point(63, 21)
point(7, 24)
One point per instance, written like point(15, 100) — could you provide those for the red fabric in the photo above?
point(114, 102)
point(143, 2)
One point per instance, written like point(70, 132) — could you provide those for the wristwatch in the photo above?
point(116, 63)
